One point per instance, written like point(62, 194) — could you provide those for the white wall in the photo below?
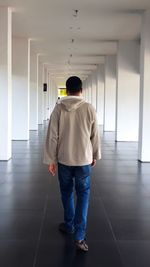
point(110, 94)
point(20, 90)
point(100, 94)
point(5, 83)
point(33, 124)
point(127, 91)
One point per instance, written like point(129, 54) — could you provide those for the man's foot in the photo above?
point(62, 228)
point(81, 245)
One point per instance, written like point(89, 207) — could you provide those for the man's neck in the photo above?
point(77, 94)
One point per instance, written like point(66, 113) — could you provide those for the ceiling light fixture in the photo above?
point(75, 13)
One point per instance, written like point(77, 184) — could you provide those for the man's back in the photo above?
point(75, 130)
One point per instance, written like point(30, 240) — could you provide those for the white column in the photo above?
point(40, 93)
point(93, 90)
point(56, 92)
point(127, 91)
point(33, 125)
point(86, 90)
point(83, 89)
point(20, 89)
point(100, 94)
point(53, 93)
point(47, 96)
point(110, 94)
point(5, 83)
point(144, 122)
point(50, 95)
point(45, 93)
point(90, 90)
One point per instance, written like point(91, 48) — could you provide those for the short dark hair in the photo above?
point(74, 84)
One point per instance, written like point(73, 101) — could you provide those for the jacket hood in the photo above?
point(72, 102)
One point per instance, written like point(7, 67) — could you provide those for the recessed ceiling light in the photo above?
point(75, 13)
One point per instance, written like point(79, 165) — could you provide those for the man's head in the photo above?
point(74, 86)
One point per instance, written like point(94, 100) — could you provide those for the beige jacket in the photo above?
point(72, 136)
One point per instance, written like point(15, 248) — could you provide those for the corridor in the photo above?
point(30, 209)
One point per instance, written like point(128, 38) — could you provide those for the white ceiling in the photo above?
point(76, 45)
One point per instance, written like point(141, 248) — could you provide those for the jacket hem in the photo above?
point(73, 163)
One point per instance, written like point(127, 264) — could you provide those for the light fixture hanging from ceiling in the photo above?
point(75, 13)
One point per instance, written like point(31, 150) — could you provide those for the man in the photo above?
point(73, 143)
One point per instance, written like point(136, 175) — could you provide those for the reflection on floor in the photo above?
point(30, 210)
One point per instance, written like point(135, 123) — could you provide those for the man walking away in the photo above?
point(73, 144)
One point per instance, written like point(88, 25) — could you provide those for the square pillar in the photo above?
point(45, 94)
point(100, 94)
point(144, 121)
point(33, 122)
point(85, 90)
point(40, 92)
point(110, 94)
point(5, 83)
point(93, 90)
point(128, 80)
point(90, 90)
point(20, 89)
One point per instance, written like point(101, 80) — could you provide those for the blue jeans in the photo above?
point(75, 218)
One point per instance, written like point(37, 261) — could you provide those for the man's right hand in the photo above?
point(52, 168)
point(93, 163)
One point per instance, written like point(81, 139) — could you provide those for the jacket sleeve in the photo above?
point(51, 142)
point(95, 137)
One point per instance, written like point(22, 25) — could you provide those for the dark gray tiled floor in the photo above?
point(118, 229)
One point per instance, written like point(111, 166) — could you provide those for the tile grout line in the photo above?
point(40, 233)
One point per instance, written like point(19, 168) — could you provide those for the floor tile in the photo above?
point(13, 203)
point(20, 225)
point(65, 255)
point(130, 229)
point(17, 253)
point(135, 253)
point(133, 207)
